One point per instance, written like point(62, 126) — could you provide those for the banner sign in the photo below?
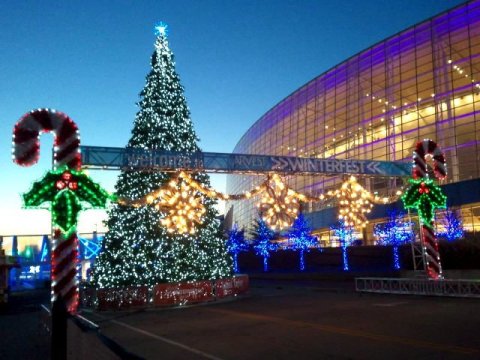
point(122, 298)
point(224, 288)
point(237, 285)
point(241, 284)
point(182, 293)
point(142, 159)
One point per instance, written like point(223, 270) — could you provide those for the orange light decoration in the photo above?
point(279, 205)
point(183, 204)
point(354, 203)
point(212, 194)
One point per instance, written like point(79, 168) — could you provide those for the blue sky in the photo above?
point(236, 59)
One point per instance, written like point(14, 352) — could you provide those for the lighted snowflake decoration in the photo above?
point(354, 203)
point(279, 205)
point(183, 204)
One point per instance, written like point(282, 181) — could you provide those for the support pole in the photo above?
point(59, 329)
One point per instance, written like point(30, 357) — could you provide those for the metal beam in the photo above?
point(160, 160)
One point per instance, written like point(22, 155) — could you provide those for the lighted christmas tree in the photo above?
point(300, 238)
point(394, 232)
point(236, 244)
point(346, 236)
point(452, 224)
point(262, 237)
point(137, 249)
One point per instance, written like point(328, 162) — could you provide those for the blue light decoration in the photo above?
point(28, 253)
point(236, 244)
point(45, 250)
point(263, 242)
point(300, 238)
point(90, 248)
point(346, 236)
point(161, 29)
point(453, 226)
point(14, 272)
point(394, 232)
point(14, 245)
point(34, 269)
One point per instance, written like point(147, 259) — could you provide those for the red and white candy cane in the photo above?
point(26, 151)
point(26, 138)
point(424, 148)
point(431, 253)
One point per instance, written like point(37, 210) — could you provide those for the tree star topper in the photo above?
point(161, 29)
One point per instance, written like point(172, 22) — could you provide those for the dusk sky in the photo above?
point(236, 60)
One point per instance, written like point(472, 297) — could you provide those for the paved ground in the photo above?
point(303, 320)
point(280, 319)
point(21, 334)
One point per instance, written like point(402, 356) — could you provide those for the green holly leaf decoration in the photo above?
point(90, 192)
point(65, 189)
point(65, 210)
point(424, 196)
point(41, 192)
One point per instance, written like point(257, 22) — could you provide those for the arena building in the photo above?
point(423, 82)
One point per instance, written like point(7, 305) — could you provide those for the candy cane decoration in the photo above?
point(431, 253)
point(26, 138)
point(424, 148)
point(26, 151)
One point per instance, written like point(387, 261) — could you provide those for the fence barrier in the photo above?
point(170, 294)
point(455, 288)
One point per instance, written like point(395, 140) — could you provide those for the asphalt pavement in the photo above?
point(281, 318)
point(287, 319)
point(22, 335)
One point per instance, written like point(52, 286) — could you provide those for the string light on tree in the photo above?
point(346, 236)
point(236, 243)
point(395, 232)
point(300, 238)
point(262, 241)
point(137, 251)
point(452, 226)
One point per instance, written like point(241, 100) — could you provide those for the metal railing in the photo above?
point(409, 286)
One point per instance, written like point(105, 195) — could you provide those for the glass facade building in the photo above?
point(423, 82)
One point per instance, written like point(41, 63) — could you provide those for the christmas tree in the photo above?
point(262, 241)
point(452, 224)
point(300, 238)
point(236, 244)
point(394, 232)
point(137, 249)
point(346, 236)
